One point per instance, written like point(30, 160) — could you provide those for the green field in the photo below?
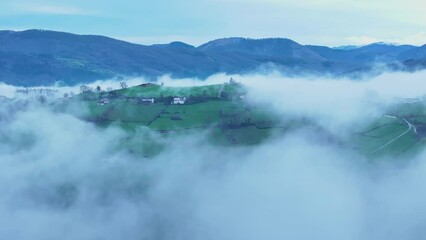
point(154, 90)
point(223, 112)
point(398, 133)
point(216, 110)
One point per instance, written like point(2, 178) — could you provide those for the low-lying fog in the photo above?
point(62, 178)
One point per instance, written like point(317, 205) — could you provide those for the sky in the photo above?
point(322, 22)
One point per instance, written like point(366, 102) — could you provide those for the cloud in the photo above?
point(10, 91)
point(7, 90)
point(72, 180)
point(53, 9)
point(337, 101)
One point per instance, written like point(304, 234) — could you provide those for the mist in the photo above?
point(11, 91)
point(63, 178)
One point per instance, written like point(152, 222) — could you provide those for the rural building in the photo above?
point(103, 101)
point(179, 100)
point(147, 100)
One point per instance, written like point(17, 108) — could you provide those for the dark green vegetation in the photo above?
point(37, 58)
point(221, 111)
point(227, 117)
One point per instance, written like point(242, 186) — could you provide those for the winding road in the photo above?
point(410, 127)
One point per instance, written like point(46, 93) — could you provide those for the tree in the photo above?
point(42, 99)
point(85, 89)
point(65, 95)
point(98, 88)
point(123, 85)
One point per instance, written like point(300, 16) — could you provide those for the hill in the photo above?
point(401, 131)
point(38, 57)
point(225, 113)
point(222, 111)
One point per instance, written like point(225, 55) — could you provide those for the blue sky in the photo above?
point(326, 22)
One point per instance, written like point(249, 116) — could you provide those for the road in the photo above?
point(410, 127)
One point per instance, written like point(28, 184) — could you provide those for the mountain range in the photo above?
point(40, 57)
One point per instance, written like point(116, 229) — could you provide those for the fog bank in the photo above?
point(63, 178)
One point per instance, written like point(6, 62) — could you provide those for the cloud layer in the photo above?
point(64, 178)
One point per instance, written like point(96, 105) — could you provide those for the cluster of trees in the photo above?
point(37, 91)
point(70, 94)
point(85, 88)
point(123, 85)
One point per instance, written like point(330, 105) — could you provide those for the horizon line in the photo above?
point(126, 39)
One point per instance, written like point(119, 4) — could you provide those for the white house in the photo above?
point(148, 100)
point(242, 96)
point(179, 100)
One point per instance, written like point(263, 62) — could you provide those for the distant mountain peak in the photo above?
point(245, 42)
point(346, 47)
point(223, 42)
point(383, 44)
point(176, 45)
point(41, 57)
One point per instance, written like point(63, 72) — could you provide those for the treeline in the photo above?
point(37, 91)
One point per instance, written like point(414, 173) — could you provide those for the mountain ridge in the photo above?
point(43, 57)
